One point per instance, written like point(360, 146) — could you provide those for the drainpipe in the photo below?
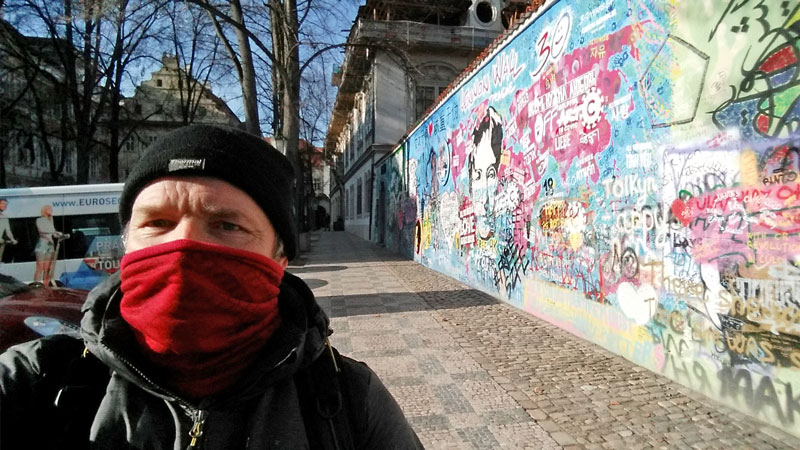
point(372, 150)
point(371, 199)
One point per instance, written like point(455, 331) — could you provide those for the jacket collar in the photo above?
point(300, 340)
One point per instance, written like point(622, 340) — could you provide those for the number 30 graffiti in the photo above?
point(553, 41)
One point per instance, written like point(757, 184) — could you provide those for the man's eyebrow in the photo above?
point(149, 210)
point(219, 212)
point(222, 212)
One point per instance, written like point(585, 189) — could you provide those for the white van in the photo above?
point(84, 240)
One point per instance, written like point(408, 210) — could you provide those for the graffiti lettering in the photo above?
point(629, 186)
point(781, 177)
point(474, 92)
point(738, 385)
point(506, 67)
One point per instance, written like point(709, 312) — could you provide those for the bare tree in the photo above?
point(196, 50)
point(94, 41)
point(134, 26)
point(278, 49)
point(33, 107)
point(241, 59)
point(244, 62)
point(107, 37)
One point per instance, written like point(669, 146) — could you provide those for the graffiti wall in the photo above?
point(628, 170)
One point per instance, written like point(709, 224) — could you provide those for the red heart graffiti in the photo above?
point(681, 210)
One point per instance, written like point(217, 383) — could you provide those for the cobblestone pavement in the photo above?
point(471, 372)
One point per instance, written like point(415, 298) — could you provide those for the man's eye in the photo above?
point(478, 174)
point(158, 223)
point(227, 226)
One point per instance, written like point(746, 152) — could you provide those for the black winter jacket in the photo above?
point(260, 411)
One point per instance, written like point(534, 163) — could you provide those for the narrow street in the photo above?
point(473, 373)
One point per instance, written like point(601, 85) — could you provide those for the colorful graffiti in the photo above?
point(628, 170)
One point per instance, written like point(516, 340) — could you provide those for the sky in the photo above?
point(340, 20)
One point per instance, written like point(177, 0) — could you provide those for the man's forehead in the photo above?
point(189, 182)
point(211, 195)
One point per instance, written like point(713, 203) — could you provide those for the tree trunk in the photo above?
point(2, 161)
point(248, 81)
point(113, 131)
point(286, 27)
point(115, 96)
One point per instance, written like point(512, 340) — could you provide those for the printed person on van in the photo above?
point(6, 236)
point(210, 343)
point(45, 249)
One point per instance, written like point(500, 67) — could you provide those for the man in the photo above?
point(5, 228)
point(210, 344)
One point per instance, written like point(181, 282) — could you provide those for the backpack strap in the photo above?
point(76, 402)
point(325, 407)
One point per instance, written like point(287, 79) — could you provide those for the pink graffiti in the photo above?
point(459, 149)
point(519, 111)
point(562, 134)
point(752, 223)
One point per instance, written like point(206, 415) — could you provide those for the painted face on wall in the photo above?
point(484, 160)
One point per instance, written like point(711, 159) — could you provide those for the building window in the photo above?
point(21, 159)
point(366, 194)
point(425, 95)
point(93, 167)
point(42, 158)
point(159, 83)
point(347, 203)
point(358, 198)
point(360, 134)
point(352, 203)
point(433, 80)
point(68, 161)
point(350, 144)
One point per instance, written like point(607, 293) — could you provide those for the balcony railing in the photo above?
point(423, 34)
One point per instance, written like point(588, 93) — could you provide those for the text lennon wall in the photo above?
point(628, 170)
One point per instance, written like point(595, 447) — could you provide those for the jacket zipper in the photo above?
point(152, 384)
point(199, 417)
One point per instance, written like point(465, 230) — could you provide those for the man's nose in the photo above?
point(189, 228)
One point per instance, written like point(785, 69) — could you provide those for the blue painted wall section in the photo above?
point(628, 170)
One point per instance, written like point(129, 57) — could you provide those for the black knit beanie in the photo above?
point(239, 158)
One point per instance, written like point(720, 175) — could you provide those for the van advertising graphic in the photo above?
point(61, 235)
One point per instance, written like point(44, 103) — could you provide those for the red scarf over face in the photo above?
point(201, 312)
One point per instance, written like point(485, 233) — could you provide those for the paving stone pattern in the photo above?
point(471, 372)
